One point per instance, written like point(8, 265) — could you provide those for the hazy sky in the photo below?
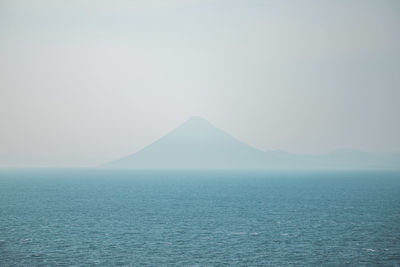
point(85, 82)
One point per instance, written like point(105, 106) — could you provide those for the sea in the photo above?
point(104, 217)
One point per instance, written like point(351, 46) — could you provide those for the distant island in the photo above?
point(197, 144)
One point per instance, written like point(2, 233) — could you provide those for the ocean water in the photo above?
point(199, 218)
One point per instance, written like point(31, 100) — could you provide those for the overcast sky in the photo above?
point(86, 82)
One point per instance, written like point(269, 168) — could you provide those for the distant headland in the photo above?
point(197, 144)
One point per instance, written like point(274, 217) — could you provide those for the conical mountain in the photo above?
point(195, 144)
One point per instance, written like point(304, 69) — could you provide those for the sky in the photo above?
point(86, 82)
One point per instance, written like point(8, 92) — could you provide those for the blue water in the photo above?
point(182, 218)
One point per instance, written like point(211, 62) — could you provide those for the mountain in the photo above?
point(195, 144)
point(199, 144)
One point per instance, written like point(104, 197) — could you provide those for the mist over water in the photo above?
point(199, 218)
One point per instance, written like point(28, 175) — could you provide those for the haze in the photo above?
point(86, 82)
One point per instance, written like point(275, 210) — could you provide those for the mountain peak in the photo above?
point(197, 120)
point(195, 128)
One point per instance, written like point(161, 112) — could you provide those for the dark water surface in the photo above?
point(198, 218)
